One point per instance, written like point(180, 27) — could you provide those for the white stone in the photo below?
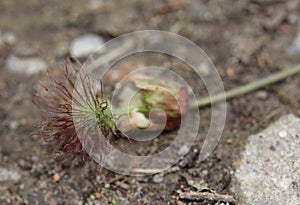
point(85, 45)
point(28, 66)
point(158, 178)
point(183, 150)
point(8, 38)
point(13, 125)
point(282, 134)
point(204, 69)
point(9, 175)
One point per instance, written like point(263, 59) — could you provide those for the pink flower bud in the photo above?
point(162, 94)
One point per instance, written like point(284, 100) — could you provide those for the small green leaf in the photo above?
point(113, 202)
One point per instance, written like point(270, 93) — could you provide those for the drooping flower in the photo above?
point(156, 99)
point(78, 121)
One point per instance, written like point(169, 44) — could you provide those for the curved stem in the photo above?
point(248, 87)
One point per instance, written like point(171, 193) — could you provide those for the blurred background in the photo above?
point(246, 40)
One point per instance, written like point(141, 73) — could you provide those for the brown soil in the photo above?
point(246, 41)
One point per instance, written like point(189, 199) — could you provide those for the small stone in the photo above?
point(97, 195)
point(22, 186)
point(262, 95)
point(294, 48)
point(13, 125)
point(43, 184)
point(183, 150)
point(204, 69)
point(9, 175)
point(204, 173)
point(56, 177)
point(282, 134)
point(28, 66)
point(8, 38)
point(85, 45)
point(292, 18)
point(158, 178)
point(229, 141)
point(230, 72)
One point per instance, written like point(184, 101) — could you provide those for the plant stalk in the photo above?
point(248, 87)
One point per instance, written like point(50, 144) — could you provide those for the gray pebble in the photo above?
point(292, 18)
point(8, 38)
point(85, 45)
point(28, 66)
point(158, 178)
point(262, 95)
point(294, 48)
point(13, 125)
point(270, 165)
point(9, 175)
point(183, 150)
point(204, 69)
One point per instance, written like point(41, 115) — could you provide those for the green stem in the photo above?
point(248, 87)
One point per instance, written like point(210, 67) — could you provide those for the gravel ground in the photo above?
point(246, 40)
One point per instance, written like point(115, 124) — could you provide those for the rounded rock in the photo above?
point(28, 66)
point(83, 46)
point(158, 178)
